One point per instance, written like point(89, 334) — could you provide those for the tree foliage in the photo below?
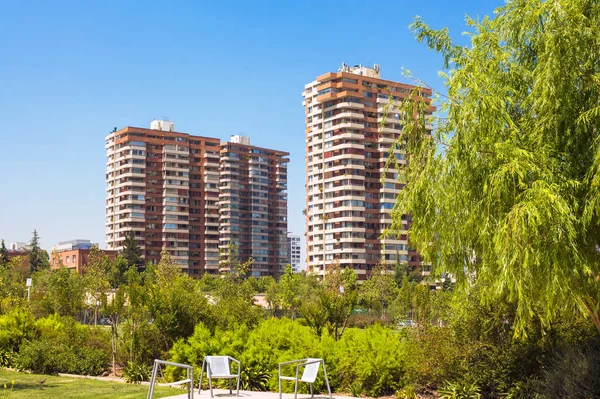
point(132, 251)
point(34, 252)
point(505, 191)
point(3, 254)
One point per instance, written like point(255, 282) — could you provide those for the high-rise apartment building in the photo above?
point(253, 204)
point(347, 205)
point(175, 191)
point(293, 243)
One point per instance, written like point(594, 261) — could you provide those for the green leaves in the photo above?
point(505, 191)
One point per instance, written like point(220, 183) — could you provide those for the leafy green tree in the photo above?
point(506, 190)
point(401, 308)
point(175, 305)
point(207, 283)
point(132, 251)
point(66, 292)
point(34, 252)
point(338, 297)
point(234, 303)
point(118, 270)
point(229, 262)
point(97, 279)
point(114, 308)
point(3, 254)
point(379, 290)
point(290, 285)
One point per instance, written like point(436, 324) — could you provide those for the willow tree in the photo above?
point(506, 190)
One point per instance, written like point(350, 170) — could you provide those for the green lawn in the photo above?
point(28, 386)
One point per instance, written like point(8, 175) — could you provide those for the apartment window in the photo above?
point(68, 259)
point(74, 258)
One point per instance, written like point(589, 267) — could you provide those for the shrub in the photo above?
point(575, 373)
point(48, 357)
point(41, 356)
point(255, 377)
point(135, 373)
point(88, 361)
point(527, 389)
point(64, 346)
point(374, 357)
point(456, 390)
point(16, 327)
point(356, 389)
point(6, 357)
point(408, 392)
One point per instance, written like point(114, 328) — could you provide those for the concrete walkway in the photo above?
point(224, 393)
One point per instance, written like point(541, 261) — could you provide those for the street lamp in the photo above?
point(28, 283)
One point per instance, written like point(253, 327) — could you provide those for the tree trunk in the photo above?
point(114, 341)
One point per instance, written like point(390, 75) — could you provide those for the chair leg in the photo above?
point(238, 385)
point(190, 385)
point(210, 386)
point(230, 391)
point(280, 394)
point(296, 390)
point(201, 374)
point(327, 381)
point(311, 391)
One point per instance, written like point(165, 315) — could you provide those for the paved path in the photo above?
point(224, 394)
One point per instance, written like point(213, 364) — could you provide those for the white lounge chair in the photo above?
point(218, 367)
point(309, 374)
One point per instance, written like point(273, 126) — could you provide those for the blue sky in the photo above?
point(70, 71)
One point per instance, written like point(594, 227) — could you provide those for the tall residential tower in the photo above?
point(194, 195)
point(347, 204)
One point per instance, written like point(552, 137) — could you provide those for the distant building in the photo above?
point(293, 242)
point(195, 196)
point(352, 121)
point(74, 254)
point(19, 246)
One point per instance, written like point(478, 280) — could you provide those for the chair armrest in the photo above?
point(312, 362)
point(239, 365)
point(290, 363)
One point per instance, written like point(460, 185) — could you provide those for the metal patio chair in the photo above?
point(219, 367)
point(309, 374)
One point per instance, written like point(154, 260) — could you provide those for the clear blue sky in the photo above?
point(70, 71)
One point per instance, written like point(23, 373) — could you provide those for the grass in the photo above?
point(28, 386)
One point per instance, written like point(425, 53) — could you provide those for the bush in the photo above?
point(575, 373)
point(16, 327)
point(374, 357)
point(64, 346)
point(255, 378)
point(47, 357)
point(135, 373)
point(6, 357)
point(456, 390)
point(371, 358)
point(527, 389)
